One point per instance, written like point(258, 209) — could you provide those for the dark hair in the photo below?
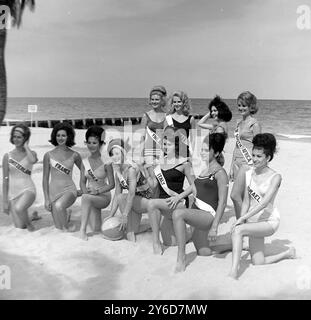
point(26, 133)
point(96, 132)
point(265, 142)
point(173, 134)
point(69, 130)
point(215, 141)
point(224, 112)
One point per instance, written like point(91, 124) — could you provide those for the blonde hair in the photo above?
point(249, 100)
point(186, 105)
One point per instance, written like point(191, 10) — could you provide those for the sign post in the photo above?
point(32, 108)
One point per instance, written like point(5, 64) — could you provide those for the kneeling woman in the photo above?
point(128, 176)
point(99, 177)
point(210, 189)
point(19, 191)
point(259, 217)
point(171, 175)
point(60, 193)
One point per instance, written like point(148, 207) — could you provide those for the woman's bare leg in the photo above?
point(59, 210)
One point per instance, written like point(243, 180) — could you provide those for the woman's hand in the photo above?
point(241, 220)
point(123, 223)
point(173, 201)
point(212, 234)
point(48, 206)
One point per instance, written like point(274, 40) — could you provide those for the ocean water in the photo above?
point(287, 118)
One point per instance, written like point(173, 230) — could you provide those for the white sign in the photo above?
point(32, 108)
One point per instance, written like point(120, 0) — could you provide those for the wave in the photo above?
point(295, 136)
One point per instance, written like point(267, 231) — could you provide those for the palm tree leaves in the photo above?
point(17, 8)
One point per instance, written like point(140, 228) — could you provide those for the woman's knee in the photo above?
point(204, 252)
point(237, 231)
point(178, 214)
point(258, 260)
point(236, 195)
point(59, 206)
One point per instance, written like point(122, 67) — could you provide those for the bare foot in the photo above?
point(70, 228)
point(158, 248)
point(131, 236)
point(30, 227)
point(83, 235)
point(233, 275)
point(180, 266)
point(291, 253)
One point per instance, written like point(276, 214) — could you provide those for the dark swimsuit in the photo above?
point(186, 125)
point(175, 181)
point(207, 190)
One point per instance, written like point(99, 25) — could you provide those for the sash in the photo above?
point(89, 170)
point(204, 206)
point(159, 175)
point(18, 166)
point(154, 136)
point(123, 182)
point(58, 166)
point(253, 194)
point(243, 149)
point(169, 120)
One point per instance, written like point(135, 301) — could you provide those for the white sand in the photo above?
point(49, 264)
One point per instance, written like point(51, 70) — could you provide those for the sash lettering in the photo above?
point(154, 136)
point(243, 149)
point(253, 194)
point(19, 167)
point(58, 166)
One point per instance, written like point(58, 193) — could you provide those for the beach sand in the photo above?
point(49, 264)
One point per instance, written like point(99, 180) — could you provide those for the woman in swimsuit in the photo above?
point(60, 191)
point(178, 116)
point(100, 180)
point(211, 190)
point(244, 133)
point(128, 176)
point(171, 175)
point(259, 216)
point(153, 124)
point(220, 113)
point(19, 191)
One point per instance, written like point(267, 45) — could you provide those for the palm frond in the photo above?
point(17, 8)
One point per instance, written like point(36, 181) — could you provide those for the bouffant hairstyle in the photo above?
point(173, 135)
point(265, 142)
point(249, 100)
point(215, 141)
point(96, 132)
point(161, 92)
point(224, 112)
point(186, 104)
point(24, 129)
point(69, 130)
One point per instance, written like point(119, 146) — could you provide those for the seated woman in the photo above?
point(60, 192)
point(128, 176)
point(210, 189)
point(259, 216)
point(100, 180)
point(171, 175)
point(19, 191)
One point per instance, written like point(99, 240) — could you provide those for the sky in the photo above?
point(121, 48)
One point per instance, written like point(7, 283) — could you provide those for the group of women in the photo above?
point(155, 183)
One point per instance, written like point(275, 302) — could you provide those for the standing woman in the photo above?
point(211, 190)
point(220, 113)
point(178, 116)
point(259, 216)
point(60, 191)
point(128, 176)
point(170, 173)
point(244, 133)
point(19, 191)
point(99, 179)
point(153, 123)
